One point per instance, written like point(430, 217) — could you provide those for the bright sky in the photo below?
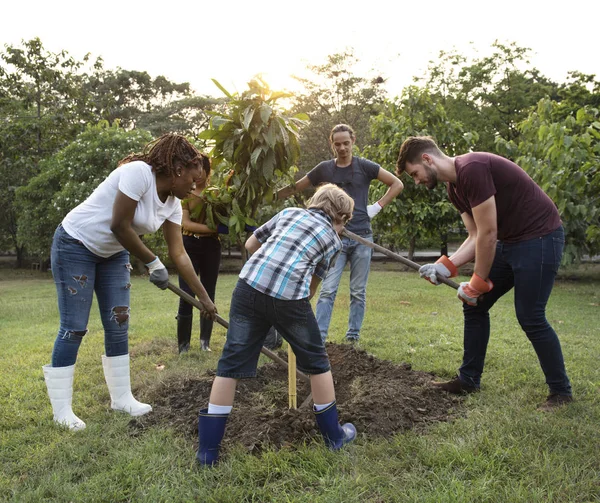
point(233, 40)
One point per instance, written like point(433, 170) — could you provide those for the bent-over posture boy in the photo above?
point(291, 254)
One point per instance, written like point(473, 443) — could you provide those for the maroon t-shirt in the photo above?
point(524, 210)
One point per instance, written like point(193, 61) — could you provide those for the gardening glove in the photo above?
point(250, 228)
point(443, 268)
point(470, 291)
point(158, 273)
point(222, 229)
point(373, 209)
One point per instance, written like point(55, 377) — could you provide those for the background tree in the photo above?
point(332, 95)
point(254, 141)
point(562, 154)
point(418, 215)
point(40, 99)
point(490, 94)
point(67, 178)
point(47, 98)
point(136, 99)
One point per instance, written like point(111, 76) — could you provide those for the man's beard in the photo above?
point(432, 179)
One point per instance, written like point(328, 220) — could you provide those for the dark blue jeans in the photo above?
point(205, 254)
point(78, 273)
point(251, 315)
point(530, 267)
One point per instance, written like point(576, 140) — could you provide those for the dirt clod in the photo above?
point(379, 397)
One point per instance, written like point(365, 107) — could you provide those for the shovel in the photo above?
point(395, 256)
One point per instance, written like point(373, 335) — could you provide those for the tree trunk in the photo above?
point(444, 245)
point(243, 252)
point(20, 256)
point(411, 247)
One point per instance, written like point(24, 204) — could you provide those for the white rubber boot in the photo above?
point(116, 373)
point(59, 381)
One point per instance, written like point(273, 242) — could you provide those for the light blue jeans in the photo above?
point(359, 256)
point(78, 273)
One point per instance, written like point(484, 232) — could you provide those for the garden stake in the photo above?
point(292, 397)
point(395, 256)
point(221, 321)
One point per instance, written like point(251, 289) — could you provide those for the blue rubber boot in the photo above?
point(211, 428)
point(334, 434)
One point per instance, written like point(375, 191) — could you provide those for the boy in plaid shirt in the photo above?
point(291, 255)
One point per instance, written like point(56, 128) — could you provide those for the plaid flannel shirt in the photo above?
point(296, 243)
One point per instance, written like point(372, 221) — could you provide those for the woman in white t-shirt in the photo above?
point(90, 253)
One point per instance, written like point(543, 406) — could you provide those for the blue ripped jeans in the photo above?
point(78, 273)
point(530, 267)
point(359, 256)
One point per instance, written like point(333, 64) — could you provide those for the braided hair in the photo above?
point(169, 152)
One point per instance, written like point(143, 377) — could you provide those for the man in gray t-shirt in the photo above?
point(353, 175)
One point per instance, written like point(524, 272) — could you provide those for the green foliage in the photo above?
point(254, 142)
point(67, 178)
point(418, 215)
point(40, 106)
point(491, 94)
point(563, 156)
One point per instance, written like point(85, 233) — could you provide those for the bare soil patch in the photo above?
point(379, 397)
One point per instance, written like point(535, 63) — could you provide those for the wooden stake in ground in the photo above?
point(292, 395)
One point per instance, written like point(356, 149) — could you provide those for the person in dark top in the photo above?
point(516, 238)
point(203, 246)
point(353, 175)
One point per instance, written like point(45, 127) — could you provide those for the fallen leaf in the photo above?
point(160, 367)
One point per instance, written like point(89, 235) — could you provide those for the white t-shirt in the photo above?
point(90, 221)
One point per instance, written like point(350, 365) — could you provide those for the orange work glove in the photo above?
point(471, 291)
point(443, 268)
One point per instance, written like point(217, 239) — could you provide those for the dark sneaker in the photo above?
point(554, 401)
point(273, 340)
point(456, 386)
point(184, 348)
point(352, 338)
point(204, 345)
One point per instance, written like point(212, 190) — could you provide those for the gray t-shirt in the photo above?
point(354, 180)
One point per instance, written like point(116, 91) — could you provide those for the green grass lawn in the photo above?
point(500, 449)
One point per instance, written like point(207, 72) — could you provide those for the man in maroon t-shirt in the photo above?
point(516, 238)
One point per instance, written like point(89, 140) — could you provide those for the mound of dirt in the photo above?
point(380, 398)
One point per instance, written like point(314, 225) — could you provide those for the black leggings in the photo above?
point(205, 254)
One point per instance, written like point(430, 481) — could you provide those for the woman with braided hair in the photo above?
point(90, 253)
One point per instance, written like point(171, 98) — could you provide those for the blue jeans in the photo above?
point(530, 267)
point(78, 273)
point(359, 256)
point(251, 315)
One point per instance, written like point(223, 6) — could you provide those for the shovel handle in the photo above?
point(395, 256)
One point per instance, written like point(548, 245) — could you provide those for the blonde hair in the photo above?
point(333, 201)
